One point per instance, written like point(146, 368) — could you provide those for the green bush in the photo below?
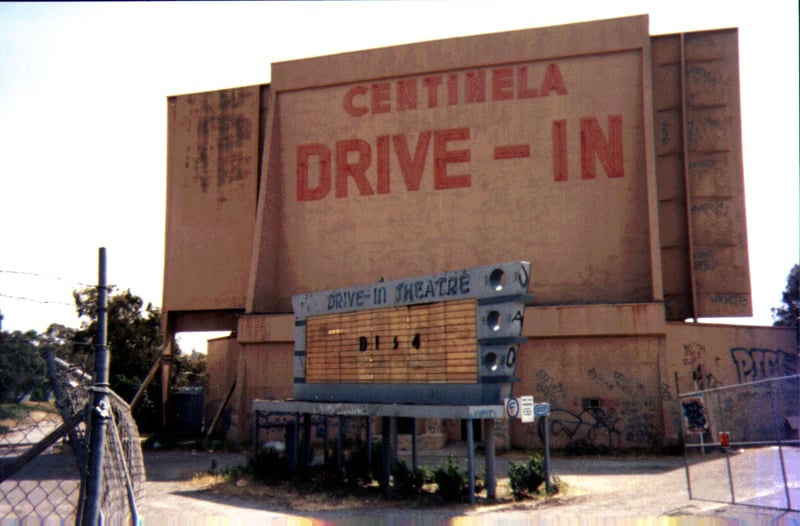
point(270, 466)
point(451, 482)
point(527, 477)
point(357, 470)
point(408, 482)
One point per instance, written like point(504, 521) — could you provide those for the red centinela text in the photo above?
point(467, 87)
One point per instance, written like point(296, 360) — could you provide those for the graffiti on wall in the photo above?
point(750, 364)
point(592, 428)
point(759, 364)
point(754, 411)
point(694, 358)
point(626, 416)
point(694, 415)
point(550, 390)
point(693, 354)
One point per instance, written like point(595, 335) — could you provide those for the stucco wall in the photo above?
point(265, 373)
point(603, 392)
point(611, 373)
point(222, 361)
point(700, 356)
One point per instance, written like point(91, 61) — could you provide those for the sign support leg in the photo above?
point(340, 444)
point(306, 447)
point(414, 445)
point(386, 454)
point(470, 461)
point(491, 479)
point(369, 445)
point(393, 449)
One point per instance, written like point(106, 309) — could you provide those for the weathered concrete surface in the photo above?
point(618, 490)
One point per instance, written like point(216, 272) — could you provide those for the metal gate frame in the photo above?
point(707, 419)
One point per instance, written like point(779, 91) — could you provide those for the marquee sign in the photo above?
point(442, 338)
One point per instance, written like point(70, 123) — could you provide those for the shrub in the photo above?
point(270, 466)
point(526, 477)
point(451, 483)
point(408, 482)
point(357, 469)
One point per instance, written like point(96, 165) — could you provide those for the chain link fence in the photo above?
point(38, 485)
point(43, 455)
point(742, 444)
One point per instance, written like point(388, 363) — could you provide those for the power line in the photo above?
point(57, 278)
point(35, 300)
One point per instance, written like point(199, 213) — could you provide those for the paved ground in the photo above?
point(651, 490)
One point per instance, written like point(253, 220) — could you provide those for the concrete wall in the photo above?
point(262, 371)
point(430, 157)
point(621, 392)
point(709, 356)
point(697, 126)
point(213, 164)
point(222, 363)
point(611, 373)
point(422, 135)
point(603, 391)
point(265, 373)
point(567, 146)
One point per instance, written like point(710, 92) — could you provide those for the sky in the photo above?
point(83, 114)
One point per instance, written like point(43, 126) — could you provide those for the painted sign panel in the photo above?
point(424, 343)
point(391, 341)
point(414, 159)
point(490, 281)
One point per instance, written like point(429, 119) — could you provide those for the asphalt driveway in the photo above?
point(599, 489)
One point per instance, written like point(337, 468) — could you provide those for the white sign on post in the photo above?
point(526, 409)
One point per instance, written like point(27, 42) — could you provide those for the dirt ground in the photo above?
point(635, 490)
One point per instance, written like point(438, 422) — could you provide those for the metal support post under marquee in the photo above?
point(491, 485)
point(471, 462)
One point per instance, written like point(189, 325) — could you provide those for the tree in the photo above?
point(22, 368)
point(787, 314)
point(133, 332)
point(134, 340)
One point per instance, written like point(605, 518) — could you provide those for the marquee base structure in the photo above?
point(299, 435)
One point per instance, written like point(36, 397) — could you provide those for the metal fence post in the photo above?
point(547, 484)
point(777, 431)
point(100, 411)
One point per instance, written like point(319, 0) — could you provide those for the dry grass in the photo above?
point(287, 497)
point(13, 416)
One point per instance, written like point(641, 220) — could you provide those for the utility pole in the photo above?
point(100, 410)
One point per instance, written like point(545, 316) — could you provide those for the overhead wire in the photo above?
point(57, 278)
point(35, 300)
point(47, 276)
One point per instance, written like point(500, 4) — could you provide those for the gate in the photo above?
point(741, 443)
point(43, 455)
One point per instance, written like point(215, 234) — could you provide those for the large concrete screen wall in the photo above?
point(527, 145)
point(609, 159)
